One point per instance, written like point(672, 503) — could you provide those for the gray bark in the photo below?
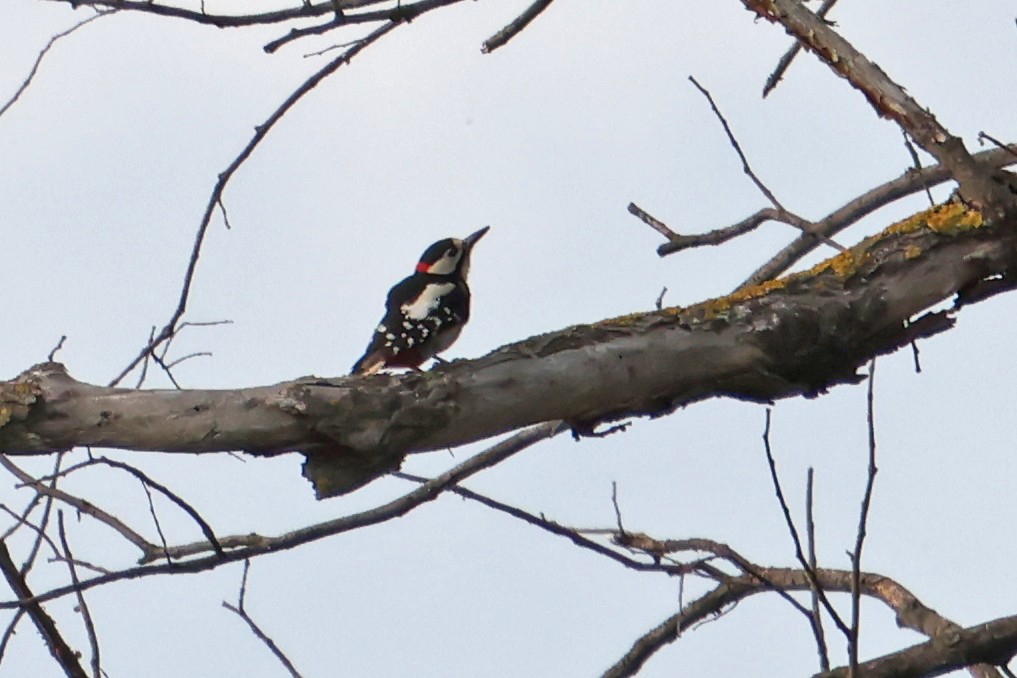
point(796, 336)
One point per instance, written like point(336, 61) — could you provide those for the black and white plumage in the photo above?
point(425, 312)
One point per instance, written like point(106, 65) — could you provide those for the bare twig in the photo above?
point(659, 303)
point(863, 516)
point(261, 635)
point(46, 511)
point(617, 509)
point(778, 213)
point(951, 646)
point(653, 222)
point(215, 198)
point(86, 615)
point(80, 504)
point(978, 186)
point(785, 61)
point(573, 535)
point(799, 554)
point(59, 344)
point(298, 11)
point(158, 525)
point(737, 147)
point(147, 482)
point(22, 521)
point(810, 539)
point(11, 629)
point(917, 163)
point(42, 54)
point(515, 26)
point(248, 546)
point(850, 213)
point(58, 647)
point(983, 137)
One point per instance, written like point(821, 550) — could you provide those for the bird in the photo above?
point(424, 312)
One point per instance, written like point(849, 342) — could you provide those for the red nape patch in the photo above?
point(423, 267)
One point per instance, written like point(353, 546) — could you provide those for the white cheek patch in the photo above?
point(427, 301)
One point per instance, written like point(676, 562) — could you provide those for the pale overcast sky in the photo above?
point(108, 161)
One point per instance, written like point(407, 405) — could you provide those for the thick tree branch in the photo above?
point(993, 643)
point(989, 191)
point(799, 335)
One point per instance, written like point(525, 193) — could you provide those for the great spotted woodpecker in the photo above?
point(425, 312)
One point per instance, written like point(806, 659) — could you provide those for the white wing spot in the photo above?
point(390, 336)
point(428, 300)
point(380, 328)
point(409, 342)
point(407, 324)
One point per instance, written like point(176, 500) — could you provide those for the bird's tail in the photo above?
point(370, 364)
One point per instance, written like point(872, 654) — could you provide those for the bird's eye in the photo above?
point(452, 252)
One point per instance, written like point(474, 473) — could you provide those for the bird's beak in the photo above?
point(472, 238)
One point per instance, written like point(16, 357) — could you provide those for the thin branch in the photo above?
point(778, 213)
point(917, 163)
point(979, 187)
point(38, 62)
point(299, 12)
point(25, 566)
point(215, 198)
point(785, 61)
point(86, 615)
point(80, 504)
point(58, 647)
point(810, 539)
point(863, 516)
point(147, 482)
point(553, 527)
point(10, 630)
point(950, 644)
point(515, 26)
point(254, 545)
point(59, 345)
point(46, 512)
point(653, 222)
point(786, 510)
point(261, 635)
point(737, 147)
point(855, 210)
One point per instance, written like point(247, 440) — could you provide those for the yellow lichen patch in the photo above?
point(948, 219)
point(5, 415)
point(843, 265)
point(715, 307)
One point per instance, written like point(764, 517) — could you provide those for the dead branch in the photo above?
point(981, 188)
point(241, 612)
point(515, 27)
point(252, 545)
point(950, 645)
point(800, 335)
point(42, 55)
point(260, 132)
point(789, 56)
point(55, 643)
point(79, 504)
point(863, 518)
point(86, 614)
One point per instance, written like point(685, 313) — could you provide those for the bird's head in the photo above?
point(450, 256)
